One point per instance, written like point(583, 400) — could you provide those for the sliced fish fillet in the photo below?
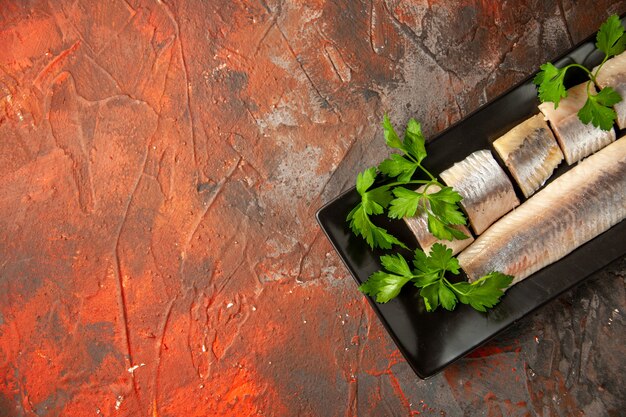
point(486, 190)
point(419, 227)
point(577, 140)
point(613, 74)
point(530, 152)
point(573, 209)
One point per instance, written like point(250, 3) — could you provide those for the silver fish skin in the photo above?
point(573, 209)
point(419, 226)
point(613, 74)
point(577, 140)
point(530, 152)
point(486, 190)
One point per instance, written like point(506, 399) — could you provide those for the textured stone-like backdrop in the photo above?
point(160, 166)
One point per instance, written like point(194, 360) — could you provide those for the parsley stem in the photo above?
point(408, 155)
point(589, 73)
point(592, 75)
point(393, 184)
point(426, 188)
point(425, 171)
point(453, 288)
point(595, 74)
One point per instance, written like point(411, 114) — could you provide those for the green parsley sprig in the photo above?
point(441, 207)
point(442, 212)
point(429, 275)
point(597, 109)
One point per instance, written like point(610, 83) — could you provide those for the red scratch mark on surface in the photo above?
point(492, 349)
point(55, 66)
point(394, 358)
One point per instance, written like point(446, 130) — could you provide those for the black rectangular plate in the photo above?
point(432, 341)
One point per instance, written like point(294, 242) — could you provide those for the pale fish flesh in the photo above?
point(419, 226)
point(486, 190)
point(573, 209)
point(613, 74)
point(530, 152)
point(577, 140)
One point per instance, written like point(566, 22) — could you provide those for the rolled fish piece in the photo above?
point(486, 190)
point(577, 140)
point(613, 74)
point(419, 227)
point(530, 152)
point(573, 209)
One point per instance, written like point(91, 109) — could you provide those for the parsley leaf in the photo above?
point(405, 204)
point(396, 264)
point(372, 202)
point(443, 205)
point(425, 275)
point(597, 109)
point(383, 286)
point(446, 297)
point(550, 82)
point(398, 166)
point(387, 285)
point(376, 200)
point(441, 259)
point(443, 231)
point(430, 295)
point(428, 275)
point(414, 143)
point(391, 137)
point(375, 236)
point(413, 147)
point(437, 291)
point(610, 39)
point(446, 195)
point(365, 179)
point(440, 207)
point(483, 293)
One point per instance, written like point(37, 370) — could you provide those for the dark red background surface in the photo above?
point(160, 166)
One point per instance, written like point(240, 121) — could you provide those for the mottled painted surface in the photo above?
point(160, 166)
